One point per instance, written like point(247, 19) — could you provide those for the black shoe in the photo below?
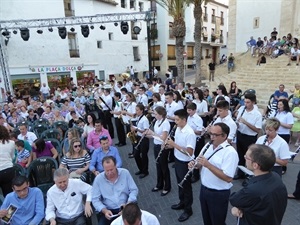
point(143, 175)
point(155, 189)
point(194, 179)
point(138, 173)
point(173, 166)
point(238, 177)
point(184, 216)
point(171, 161)
point(177, 206)
point(163, 193)
point(131, 156)
point(122, 144)
point(131, 153)
point(117, 144)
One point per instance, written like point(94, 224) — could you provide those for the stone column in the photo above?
point(287, 17)
point(231, 41)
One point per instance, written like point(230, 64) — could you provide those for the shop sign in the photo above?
point(55, 69)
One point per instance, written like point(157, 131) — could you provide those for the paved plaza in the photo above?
point(161, 206)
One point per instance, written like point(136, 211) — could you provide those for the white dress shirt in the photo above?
point(230, 123)
point(142, 124)
point(146, 219)
point(287, 118)
point(185, 138)
point(64, 204)
point(108, 100)
point(226, 159)
point(196, 123)
point(161, 126)
point(29, 136)
point(201, 106)
point(143, 99)
point(130, 108)
point(253, 117)
point(171, 108)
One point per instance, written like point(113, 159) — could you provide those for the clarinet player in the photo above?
point(161, 130)
point(218, 165)
point(184, 147)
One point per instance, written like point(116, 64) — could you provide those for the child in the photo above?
point(23, 154)
point(296, 93)
point(296, 126)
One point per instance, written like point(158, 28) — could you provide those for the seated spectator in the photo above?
point(75, 120)
point(26, 135)
point(280, 94)
point(48, 114)
point(57, 116)
point(76, 160)
point(23, 155)
point(23, 112)
point(296, 126)
point(90, 125)
point(131, 214)
point(68, 191)
point(79, 108)
point(40, 148)
point(251, 44)
point(294, 55)
point(32, 116)
point(29, 202)
point(105, 150)
point(258, 47)
point(261, 59)
point(68, 116)
point(71, 133)
point(6, 125)
point(296, 94)
point(94, 136)
point(14, 117)
point(108, 184)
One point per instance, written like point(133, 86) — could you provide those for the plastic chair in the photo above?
point(38, 129)
point(19, 170)
point(42, 121)
point(58, 146)
point(64, 126)
point(40, 173)
point(52, 133)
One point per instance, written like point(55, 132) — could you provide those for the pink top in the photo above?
point(93, 141)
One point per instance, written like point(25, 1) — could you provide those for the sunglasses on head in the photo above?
point(102, 138)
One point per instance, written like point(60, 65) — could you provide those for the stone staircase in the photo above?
point(264, 79)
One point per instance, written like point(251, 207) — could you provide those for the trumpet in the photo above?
point(171, 133)
point(144, 135)
point(131, 135)
point(195, 164)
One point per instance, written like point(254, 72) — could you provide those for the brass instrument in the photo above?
point(99, 104)
point(120, 117)
point(149, 114)
point(195, 164)
point(131, 135)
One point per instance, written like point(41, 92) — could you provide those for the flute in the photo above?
point(203, 151)
point(144, 135)
point(171, 133)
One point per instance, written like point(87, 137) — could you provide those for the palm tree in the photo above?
point(197, 36)
point(176, 9)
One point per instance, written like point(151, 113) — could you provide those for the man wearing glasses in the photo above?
point(98, 155)
point(27, 203)
point(219, 161)
point(264, 199)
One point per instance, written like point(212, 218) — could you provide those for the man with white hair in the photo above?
point(65, 203)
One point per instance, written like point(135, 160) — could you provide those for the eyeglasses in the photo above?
point(247, 158)
point(76, 146)
point(102, 138)
point(22, 190)
point(215, 135)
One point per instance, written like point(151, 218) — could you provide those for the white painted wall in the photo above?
point(49, 49)
point(268, 12)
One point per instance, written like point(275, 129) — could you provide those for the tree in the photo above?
point(176, 9)
point(197, 36)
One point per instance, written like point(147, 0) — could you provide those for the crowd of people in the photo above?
point(191, 127)
point(274, 47)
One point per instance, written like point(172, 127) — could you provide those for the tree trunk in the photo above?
point(197, 37)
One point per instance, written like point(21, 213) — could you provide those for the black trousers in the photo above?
point(242, 144)
point(186, 192)
point(297, 188)
point(162, 169)
point(103, 221)
point(107, 121)
point(141, 155)
point(6, 177)
point(199, 145)
point(214, 205)
point(78, 220)
point(120, 131)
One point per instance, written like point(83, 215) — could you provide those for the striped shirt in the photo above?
point(76, 163)
point(23, 154)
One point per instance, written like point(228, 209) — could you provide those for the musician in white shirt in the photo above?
point(141, 151)
point(118, 121)
point(142, 97)
point(106, 104)
point(184, 146)
point(65, 200)
point(155, 85)
point(161, 91)
point(156, 102)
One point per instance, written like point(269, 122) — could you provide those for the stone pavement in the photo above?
point(161, 206)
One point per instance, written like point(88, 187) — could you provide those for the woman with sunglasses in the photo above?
point(160, 133)
point(276, 143)
point(77, 160)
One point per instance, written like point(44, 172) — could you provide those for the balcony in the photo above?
point(213, 38)
point(111, 2)
point(74, 53)
point(204, 39)
point(205, 17)
point(213, 18)
point(69, 13)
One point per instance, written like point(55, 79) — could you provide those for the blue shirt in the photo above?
point(99, 154)
point(106, 194)
point(31, 210)
point(279, 94)
point(252, 42)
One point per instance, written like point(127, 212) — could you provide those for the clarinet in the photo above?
point(243, 112)
point(203, 151)
point(172, 132)
point(211, 123)
point(266, 139)
point(144, 135)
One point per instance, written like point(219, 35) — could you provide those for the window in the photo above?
point(205, 16)
point(99, 44)
point(136, 54)
point(132, 4)
point(222, 18)
point(204, 33)
point(101, 75)
point(155, 52)
point(190, 52)
point(171, 36)
point(207, 53)
point(153, 31)
point(123, 4)
point(213, 17)
point(141, 6)
point(221, 36)
point(68, 8)
point(110, 36)
point(133, 35)
point(73, 47)
point(256, 22)
point(171, 52)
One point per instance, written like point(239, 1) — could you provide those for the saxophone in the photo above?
point(120, 116)
point(131, 135)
